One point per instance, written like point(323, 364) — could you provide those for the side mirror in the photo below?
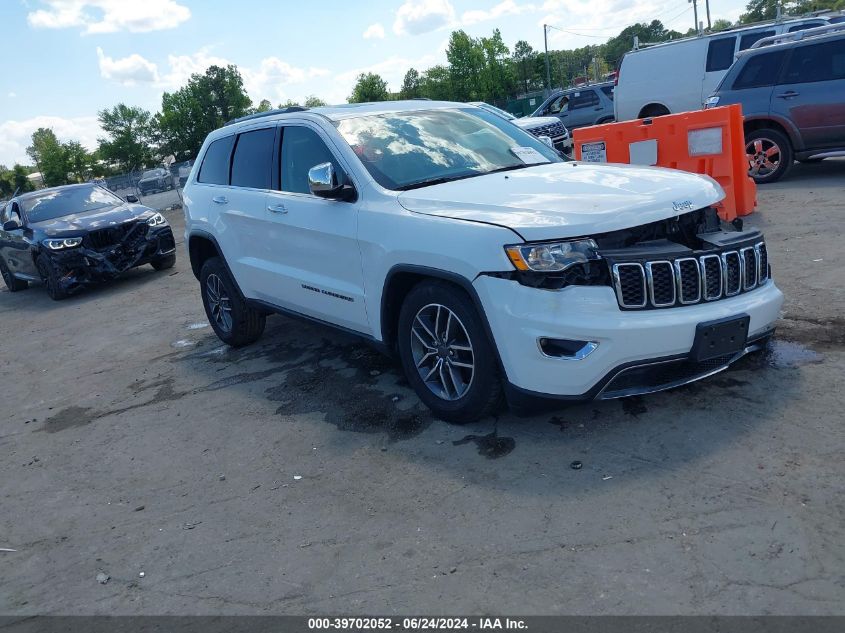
point(11, 225)
point(132, 199)
point(323, 182)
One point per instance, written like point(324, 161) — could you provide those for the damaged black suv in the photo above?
point(72, 236)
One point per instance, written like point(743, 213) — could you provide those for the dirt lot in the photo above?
point(302, 476)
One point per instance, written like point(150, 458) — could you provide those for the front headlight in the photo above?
point(57, 245)
point(552, 257)
point(711, 102)
point(156, 220)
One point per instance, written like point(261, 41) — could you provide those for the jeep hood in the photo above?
point(567, 199)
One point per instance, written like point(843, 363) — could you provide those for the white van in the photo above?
point(677, 76)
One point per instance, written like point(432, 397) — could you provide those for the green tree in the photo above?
point(204, 104)
point(49, 157)
point(435, 84)
point(129, 136)
point(411, 85)
point(496, 77)
point(369, 87)
point(466, 62)
point(20, 179)
point(721, 24)
point(524, 58)
point(264, 106)
point(312, 101)
point(79, 160)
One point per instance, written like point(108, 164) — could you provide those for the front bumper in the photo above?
point(563, 144)
point(519, 316)
point(81, 266)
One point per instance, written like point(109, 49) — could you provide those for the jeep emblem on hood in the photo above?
point(683, 205)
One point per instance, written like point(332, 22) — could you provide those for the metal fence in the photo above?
point(160, 195)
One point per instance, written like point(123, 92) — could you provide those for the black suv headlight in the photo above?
point(61, 244)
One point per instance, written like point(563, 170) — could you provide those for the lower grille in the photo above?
point(659, 376)
point(689, 280)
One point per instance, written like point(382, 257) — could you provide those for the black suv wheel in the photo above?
point(12, 283)
point(446, 354)
point(769, 155)
point(234, 321)
point(50, 277)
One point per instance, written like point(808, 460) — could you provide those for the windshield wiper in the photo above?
point(511, 168)
point(437, 181)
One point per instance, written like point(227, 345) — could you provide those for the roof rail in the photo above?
point(258, 115)
point(799, 35)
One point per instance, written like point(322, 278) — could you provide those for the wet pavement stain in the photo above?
point(635, 406)
point(779, 354)
point(490, 446)
point(68, 418)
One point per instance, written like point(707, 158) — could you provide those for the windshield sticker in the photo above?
point(529, 155)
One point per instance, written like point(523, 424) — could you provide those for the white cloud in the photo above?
point(506, 7)
point(12, 95)
point(16, 136)
point(594, 21)
point(392, 70)
point(421, 16)
point(127, 71)
point(183, 66)
point(110, 16)
point(374, 31)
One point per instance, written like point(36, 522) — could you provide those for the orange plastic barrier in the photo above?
point(708, 142)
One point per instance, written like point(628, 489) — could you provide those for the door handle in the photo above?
point(787, 95)
point(277, 208)
point(220, 199)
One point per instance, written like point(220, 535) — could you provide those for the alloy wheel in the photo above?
point(442, 351)
point(764, 157)
point(219, 303)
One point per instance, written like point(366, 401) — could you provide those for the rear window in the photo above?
point(747, 40)
point(816, 62)
point(720, 54)
point(583, 99)
point(759, 71)
point(215, 165)
point(608, 91)
point(251, 164)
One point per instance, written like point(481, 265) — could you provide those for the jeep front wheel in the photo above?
point(447, 356)
point(234, 321)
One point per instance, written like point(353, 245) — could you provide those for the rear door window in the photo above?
point(215, 165)
point(747, 40)
point(816, 62)
point(608, 91)
point(253, 159)
point(720, 54)
point(760, 70)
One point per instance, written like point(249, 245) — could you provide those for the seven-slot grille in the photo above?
point(687, 280)
point(554, 130)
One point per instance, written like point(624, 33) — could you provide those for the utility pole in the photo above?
point(546, 44)
point(695, 12)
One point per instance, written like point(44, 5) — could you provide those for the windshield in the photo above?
point(153, 173)
point(59, 202)
point(405, 150)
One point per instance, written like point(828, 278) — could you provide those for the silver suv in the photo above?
point(579, 107)
point(792, 92)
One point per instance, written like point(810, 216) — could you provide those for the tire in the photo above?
point(163, 263)
point(239, 325)
point(50, 277)
point(651, 111)
point(466, 386)
point(12, 283)
point(769, 154)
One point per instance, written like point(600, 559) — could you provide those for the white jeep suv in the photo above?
point(447, 235)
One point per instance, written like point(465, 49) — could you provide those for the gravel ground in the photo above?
point(301, 475)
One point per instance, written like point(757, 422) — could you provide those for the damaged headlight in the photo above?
point(57, 245)
point(156, 220)
point(552, 257)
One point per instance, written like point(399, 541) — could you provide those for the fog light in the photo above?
point(566, 349)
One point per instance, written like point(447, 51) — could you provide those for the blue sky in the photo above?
point(74, 57)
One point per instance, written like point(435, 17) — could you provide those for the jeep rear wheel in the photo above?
point(234, 321)
point(446, 354)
